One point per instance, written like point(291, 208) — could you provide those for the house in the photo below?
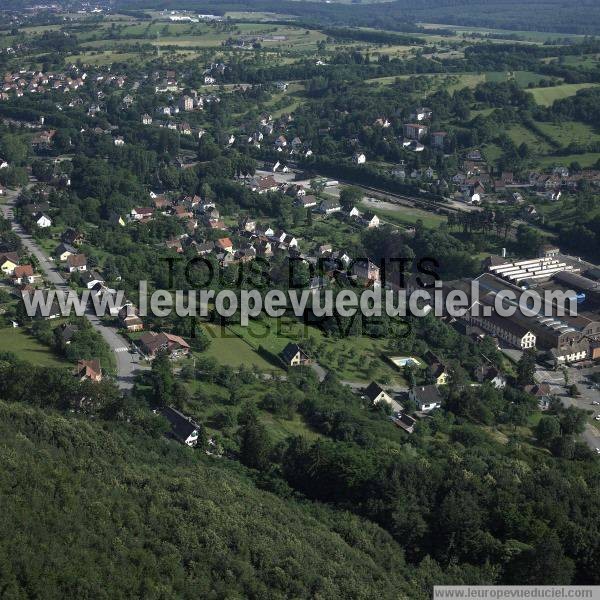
point(422, 114)
point(370, 220)
point(65, 333)
point(42, 221)
point(549, 251)
point(293, 356)
point(329, 206)
point(183, 428)
point(438, 138)
point(414, 131)
point(23, 274)
point(72, 237)
point(541, 392)
point(119, 141)
point(88, 370)
point(359, 158)
point(376, 394)
point(366, 270)
point(146, 119)
point(265, 184)
point(490, 374)
point(404, 421)
point(306, 201)
point(436, 369)
point(141, 214)
point(90, 279)
point(63, 251)
point(426, 397)
point(151, 344)
point(76, 262)
point(129, 320)
point(224, 244)
point(8, 262)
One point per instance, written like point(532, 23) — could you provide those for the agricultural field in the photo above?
point(546, 96)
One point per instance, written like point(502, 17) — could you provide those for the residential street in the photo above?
point(127, 362)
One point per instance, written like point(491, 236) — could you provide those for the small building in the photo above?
point(426, 397)
point(76, 262)
point(293, 356)
point(359, 158)
point(42, 220)
point(376, 394)
point(23, 274)
point(88, 370)
point(404, 421)
point(183, 428)
point(490, 374)
point(8, 262)
point(414, 131)
point(329, 206)
point(151, 344)
point(224, 244)
point(63, 251)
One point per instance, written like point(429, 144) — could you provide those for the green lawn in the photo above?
point(405, 215)
point(546, 96)
point(230, 350)
point(28, 348)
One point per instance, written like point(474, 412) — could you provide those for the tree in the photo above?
point(526, 368)
point(350, 196)
point(254, 444)
point(547, 430)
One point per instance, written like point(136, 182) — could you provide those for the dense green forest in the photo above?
point(545, 15)
point(107, 512)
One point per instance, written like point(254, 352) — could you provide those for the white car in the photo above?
point(597, 450)
point(595, 402)
point(597, 417)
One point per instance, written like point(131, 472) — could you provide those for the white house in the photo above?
point(359, 158)
point(377, 394)
point(42, 221)
point(426, 397)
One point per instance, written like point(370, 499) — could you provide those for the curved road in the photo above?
point(127, 363)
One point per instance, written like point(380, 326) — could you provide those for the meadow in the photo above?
point(28, 348)
point(546, 96)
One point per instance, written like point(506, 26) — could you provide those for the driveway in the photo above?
point(127, 363)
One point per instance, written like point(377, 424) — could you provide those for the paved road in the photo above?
point(127, 363)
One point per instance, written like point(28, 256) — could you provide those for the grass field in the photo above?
point(521, 78)
point(404, 215)
point(589, 159)
point(569, 132)
point(28, 348)
point(229, 350)
point(547, 96)
point(520, 134)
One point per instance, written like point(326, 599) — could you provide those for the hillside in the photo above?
point(92, 513)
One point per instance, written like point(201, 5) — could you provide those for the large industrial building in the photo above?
point(567, 339)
